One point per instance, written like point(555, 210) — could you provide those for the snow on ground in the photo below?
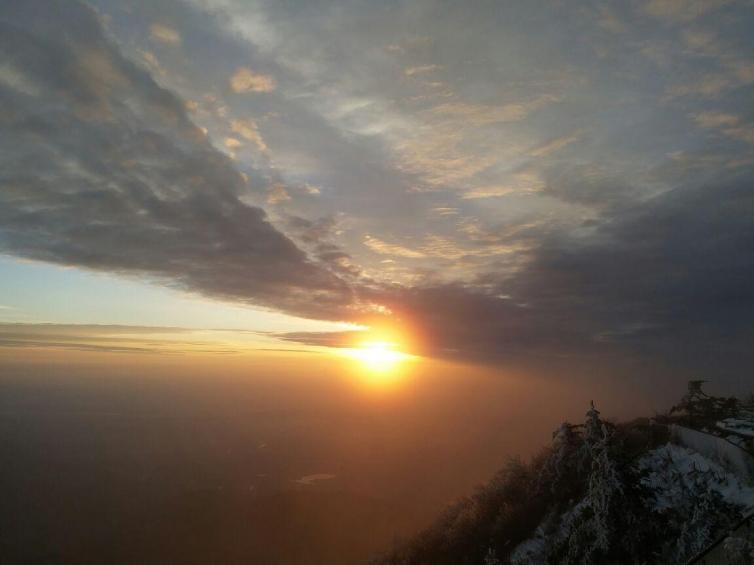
point(737, 426)
point(673, 471)
point(673, 474)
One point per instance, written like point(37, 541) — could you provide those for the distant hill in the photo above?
point(607, 493)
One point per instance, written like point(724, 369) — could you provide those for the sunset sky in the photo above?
point(309, 270)
point(488, 181)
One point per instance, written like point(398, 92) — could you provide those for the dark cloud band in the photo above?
point(101, 168)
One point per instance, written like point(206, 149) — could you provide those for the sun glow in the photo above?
point(378, 356)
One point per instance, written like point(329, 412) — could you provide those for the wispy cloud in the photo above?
point(421, 70)
point(555, 145)
point(384, 248)
point(715, 119)
point(135, 339)
point(165, 34)
point(524, 182)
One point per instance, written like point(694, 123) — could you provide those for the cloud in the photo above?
point(245, 80)
point(589, 185)
point(14, 78)
point(421, 70)
point(249, 130)
point(164, 34)
point(744, 133)
point(523, 182)
point(153, 64)
point(323, 339)
point(708, 86)
point(445, 211)
point(443, 248)
point(384, 248)
point(729, 124)
point(232, 143)
point(645, 267)
point(487, 114)
point(682, 10)
point(278, 194)
point(490, 191)
point(732, 68)
point(640, 283)
point(103, 170)
point(637, 239)
point(446, 145)
point(715, 119)
point(555, 145)
point(108, 338)
point(317, 237)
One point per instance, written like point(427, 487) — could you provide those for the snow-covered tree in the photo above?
point(696, 530)
point(604, 486)
point(558, 475)
point(592, 425)
point(687, 500)
point(594, 432)
point(593, 533)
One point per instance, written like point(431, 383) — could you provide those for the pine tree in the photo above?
point(592, 534)
point(592, 425)
point(604, 486)
point(698, 409)
point(593, 432)
point(558, 477)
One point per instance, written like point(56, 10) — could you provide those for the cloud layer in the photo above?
point(524, 180)
point(101, 168)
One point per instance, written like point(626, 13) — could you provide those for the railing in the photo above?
point(748, 520)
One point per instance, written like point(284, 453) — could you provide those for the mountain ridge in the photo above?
point(605, 493)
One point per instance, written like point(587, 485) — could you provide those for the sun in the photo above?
point(378, 356)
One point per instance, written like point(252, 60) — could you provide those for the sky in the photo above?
point(544, 182)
